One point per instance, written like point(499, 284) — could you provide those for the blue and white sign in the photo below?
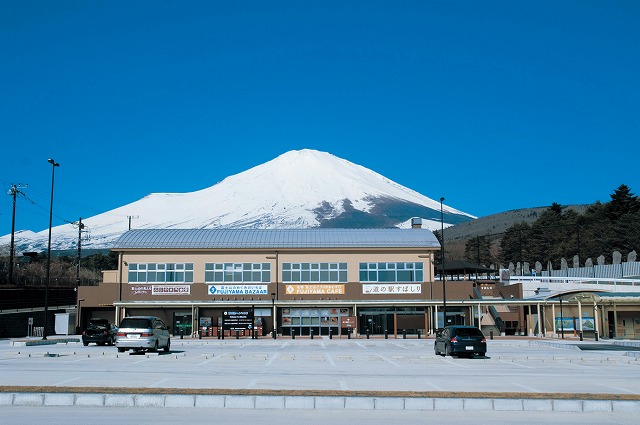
point(238, 289)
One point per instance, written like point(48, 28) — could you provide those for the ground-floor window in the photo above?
point(377, 321)
point(320, 321)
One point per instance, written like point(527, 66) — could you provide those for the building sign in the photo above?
point(392, 288)
point(171, 289)
point(573, 324)
point(237, 320)
point(315, 289)
point(140, 289)
point(348, 322)
point(237, 289)
point(160, 289)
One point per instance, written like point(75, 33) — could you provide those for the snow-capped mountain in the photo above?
point(298, 189)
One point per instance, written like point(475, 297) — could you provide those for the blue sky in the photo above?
point(494, 105)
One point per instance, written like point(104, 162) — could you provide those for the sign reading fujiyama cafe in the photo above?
point(237, 320)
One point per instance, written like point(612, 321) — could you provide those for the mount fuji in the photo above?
point(298, 189)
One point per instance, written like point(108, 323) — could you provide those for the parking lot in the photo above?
point(394, 365)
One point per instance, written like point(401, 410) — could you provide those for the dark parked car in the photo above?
point(99, 331)
point(460, 341)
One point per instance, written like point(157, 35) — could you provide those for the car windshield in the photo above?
point(135, 323)
point(468, 332)
point(98, 322)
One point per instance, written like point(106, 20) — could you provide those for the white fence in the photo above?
point(532, 284)
point(605, 271)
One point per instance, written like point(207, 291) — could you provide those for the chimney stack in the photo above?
point(416, 223)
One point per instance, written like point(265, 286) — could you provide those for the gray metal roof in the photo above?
point(275, 238)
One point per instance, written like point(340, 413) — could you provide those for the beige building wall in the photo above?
point(352, 289)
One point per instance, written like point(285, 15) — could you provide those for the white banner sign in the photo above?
point(392, 288)
point(171, 289)
point(238, 289)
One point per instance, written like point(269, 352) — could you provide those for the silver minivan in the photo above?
point(140, 333)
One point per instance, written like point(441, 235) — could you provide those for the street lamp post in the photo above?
point(274, 295)
point(273, 309)
point(444, 291)
point(79, 317)
point(561, 319)
point(48, 277)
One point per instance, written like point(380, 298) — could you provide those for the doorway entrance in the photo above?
point(182, 324)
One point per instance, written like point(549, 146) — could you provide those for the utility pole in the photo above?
point(80, 230)
point(81, 227)
point(15, 189)
point(444, 274)
point(131, 217)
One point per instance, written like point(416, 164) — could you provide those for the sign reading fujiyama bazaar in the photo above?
point(237, 320)
point(396, 289)
point(237, 289)
point(316, 289)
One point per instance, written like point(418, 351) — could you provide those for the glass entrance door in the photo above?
point(375, 323)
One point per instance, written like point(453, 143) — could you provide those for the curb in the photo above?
point(284, 402)
point(33, 342)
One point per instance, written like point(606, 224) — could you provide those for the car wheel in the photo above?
point(435, 348)
point(85, 343)
point(111, 341)
point(120, 350)
point(155, 347)
point(168, 346)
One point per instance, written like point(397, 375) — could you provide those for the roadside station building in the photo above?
point(235, 282)
point(298, 281)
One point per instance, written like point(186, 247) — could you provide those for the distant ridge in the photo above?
point(496, 224)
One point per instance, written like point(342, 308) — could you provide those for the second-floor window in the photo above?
point(314, 272)
point(391, 272)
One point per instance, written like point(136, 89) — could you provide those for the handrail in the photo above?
point(584, 280)
point(497, 320)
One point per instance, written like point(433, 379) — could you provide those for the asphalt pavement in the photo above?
point(517, 374)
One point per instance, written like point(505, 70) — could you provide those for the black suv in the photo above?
point(99, 331)
point(460, 341)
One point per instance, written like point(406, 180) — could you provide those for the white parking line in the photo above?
point(251, 384)
point(401, 346)
point(527, 388)
point(387, 360)
point(516, 364)
point(578, 365)
point(159, 383)
point(343, 385)
point(272, 359)
point(75, 361)
point(618, 389)
point(361, 345)
point(435, 387)
point(212, 359)
point(67, 381)
point(454, 363)
point(330, 360)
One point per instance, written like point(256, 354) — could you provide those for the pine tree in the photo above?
point(622, 202)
